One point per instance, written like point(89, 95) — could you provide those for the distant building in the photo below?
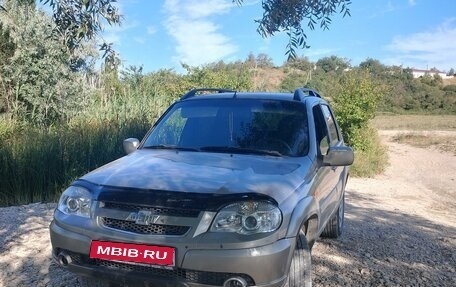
point(419, 73)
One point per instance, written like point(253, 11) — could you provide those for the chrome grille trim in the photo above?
point(155, 210)
point(151, 229)
point(145, 220)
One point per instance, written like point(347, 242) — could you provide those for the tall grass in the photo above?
point(373, 159)
point(38, 164)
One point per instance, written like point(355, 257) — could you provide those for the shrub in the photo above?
point(355, 103)
point(373, 158)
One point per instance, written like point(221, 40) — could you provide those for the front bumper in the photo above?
point(265, 266)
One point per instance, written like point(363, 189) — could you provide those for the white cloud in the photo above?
point(112, 34)
point(433, 48)
point(139, 40)
point(199, 40)
point(151, 30)
point(412, 2)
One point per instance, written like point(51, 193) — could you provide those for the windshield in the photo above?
point(253, 126)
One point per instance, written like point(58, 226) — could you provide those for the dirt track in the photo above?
point(400, 230)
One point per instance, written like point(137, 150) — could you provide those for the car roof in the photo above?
point(300, 95)
point(244, 95)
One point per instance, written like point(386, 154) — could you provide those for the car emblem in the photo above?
point(143, 217)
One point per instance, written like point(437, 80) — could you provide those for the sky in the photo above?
point(162, 34)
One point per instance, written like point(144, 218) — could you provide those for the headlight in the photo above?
point(248, 217)
point(75, 200)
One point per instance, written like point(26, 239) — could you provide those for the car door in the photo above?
point(327, 135)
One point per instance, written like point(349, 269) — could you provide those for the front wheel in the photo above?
point(335, 225)
point(299, 274)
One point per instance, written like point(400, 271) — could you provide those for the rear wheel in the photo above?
point(299, 274)
point(335, 225)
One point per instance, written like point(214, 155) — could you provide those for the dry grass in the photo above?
point(445, 143)
point(450, 81)
point(415, 122)
point(267, 79)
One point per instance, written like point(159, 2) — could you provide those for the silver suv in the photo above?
point(226, 189)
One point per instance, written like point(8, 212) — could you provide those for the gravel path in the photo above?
point(400, 230)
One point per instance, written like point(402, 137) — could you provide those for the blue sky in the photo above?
point(160, 34)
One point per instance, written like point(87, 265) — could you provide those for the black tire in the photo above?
point(299, 274)
point(335, 225)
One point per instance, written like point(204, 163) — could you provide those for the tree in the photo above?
point(451, 72)
point(355, 104)
point(333, 63)
point(373, 66)
point(300, 63)
point(264, 61)
point(289, 15)
point(77, 20)
point(38, 84)
point(82, 20)
point(7, 48)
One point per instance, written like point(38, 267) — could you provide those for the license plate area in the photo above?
point(133, 253)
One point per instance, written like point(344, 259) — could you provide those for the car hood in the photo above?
point(201, 172)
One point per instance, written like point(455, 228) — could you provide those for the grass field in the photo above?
point(445, 143)
point(422, 130)
point(415, 122)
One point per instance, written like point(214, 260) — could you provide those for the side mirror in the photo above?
point(339, 156)
point(130, 145)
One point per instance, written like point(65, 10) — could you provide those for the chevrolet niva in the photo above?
point(226, 189)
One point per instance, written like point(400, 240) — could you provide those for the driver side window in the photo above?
point(321, 131)
point(325, 128)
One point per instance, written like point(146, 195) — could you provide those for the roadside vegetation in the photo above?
point(62, 116)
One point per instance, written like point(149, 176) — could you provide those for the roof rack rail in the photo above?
point(193, 92)
point(300, 93)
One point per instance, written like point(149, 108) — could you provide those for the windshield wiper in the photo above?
point(240, 150)
point(171, 147)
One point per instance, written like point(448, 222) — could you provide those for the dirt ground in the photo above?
point(400, 230)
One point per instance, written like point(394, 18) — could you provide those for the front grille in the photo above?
point(200, 277)
point(144, 229)
point(155, 210)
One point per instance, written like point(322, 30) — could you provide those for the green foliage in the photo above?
point(238, 79)
point(37, 164)
point(289, 15)
point(333, 64)
point(373, 159)
point(38, 85)
point(355, 104)
point(293, 80)
point(7, 45)
point(78, 21)
point(449, 88)
point(300, 63)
